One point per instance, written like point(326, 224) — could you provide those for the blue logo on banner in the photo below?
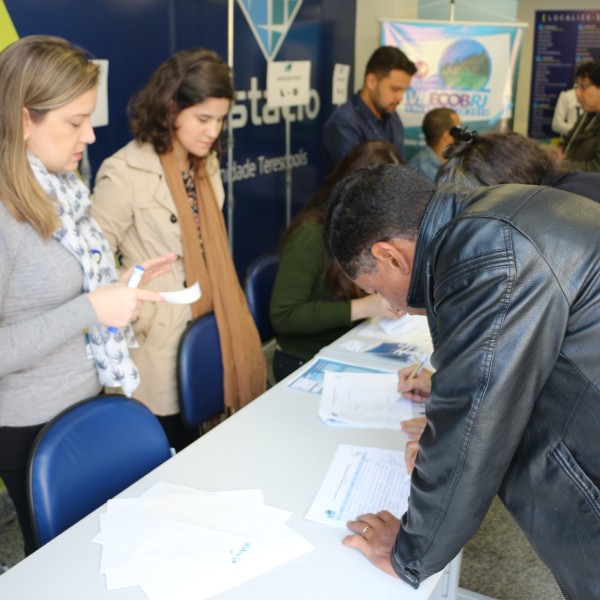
point(270, 20)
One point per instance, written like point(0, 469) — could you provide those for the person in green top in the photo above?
point(313, 302)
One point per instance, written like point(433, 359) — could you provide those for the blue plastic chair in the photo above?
point(86, 455)
point(200, 373)
point(260, 278)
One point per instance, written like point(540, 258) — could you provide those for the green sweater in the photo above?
point(304, 310)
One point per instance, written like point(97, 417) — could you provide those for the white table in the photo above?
point(277, 444)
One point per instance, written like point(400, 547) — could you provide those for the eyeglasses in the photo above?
point(581, 85)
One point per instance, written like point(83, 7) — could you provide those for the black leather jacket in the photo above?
point(510, 278)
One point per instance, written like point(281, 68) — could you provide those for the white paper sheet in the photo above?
point(246, 560)
point(361, 480)
point(402, 325)
point(185, 296)
point(365, 400)
point(198, 543)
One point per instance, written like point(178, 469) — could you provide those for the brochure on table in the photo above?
point(397, 343)
point(311, 377)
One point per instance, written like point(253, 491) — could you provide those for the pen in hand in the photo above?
point(419, 367)
point(134, 280)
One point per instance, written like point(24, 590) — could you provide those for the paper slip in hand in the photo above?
point(184, 296)
point(364, 400)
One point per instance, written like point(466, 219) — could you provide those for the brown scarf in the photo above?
point(243, 360)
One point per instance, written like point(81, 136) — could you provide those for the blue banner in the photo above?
point(135, 37)
point(563, 39)
point(469, 67)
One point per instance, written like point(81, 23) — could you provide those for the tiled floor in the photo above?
point(11, 543)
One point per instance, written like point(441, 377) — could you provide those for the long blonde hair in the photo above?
point(38, 73)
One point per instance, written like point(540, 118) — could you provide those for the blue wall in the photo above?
point(137, 35)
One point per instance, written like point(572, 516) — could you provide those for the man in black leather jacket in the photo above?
point(509, 277)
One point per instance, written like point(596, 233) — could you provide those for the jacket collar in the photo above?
point(447, 202)
point(143, 156)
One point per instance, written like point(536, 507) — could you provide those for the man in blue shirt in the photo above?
point(436, 128)
point(371, 113)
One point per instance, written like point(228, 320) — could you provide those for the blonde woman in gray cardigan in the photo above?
point(59, 292)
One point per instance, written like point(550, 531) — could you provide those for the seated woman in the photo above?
point(495, 158)
point(313, 302)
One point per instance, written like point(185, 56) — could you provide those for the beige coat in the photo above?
point(133, 205)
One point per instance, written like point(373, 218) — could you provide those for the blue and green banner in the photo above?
point(469, 67)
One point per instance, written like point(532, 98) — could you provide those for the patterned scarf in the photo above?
point(83, 238)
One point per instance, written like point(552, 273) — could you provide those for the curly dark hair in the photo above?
point(589, 69)
point(187, 78)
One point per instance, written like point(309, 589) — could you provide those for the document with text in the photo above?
point(364, 400)
point(361, 480)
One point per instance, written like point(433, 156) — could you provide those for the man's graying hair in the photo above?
point(373, 205)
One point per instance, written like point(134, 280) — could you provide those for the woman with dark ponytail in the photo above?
point(495, 158)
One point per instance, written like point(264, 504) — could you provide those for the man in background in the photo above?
point(371, 113)
point(582, 143)
point(436, 128)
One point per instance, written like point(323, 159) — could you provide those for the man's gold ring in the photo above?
point(364, 530)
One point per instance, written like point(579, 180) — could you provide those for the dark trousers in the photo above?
point(15, 447)
point(284, 364)
point(179, 437)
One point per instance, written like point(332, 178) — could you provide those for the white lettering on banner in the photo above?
point(264, 165)
point(260, 114)
point(463, 102)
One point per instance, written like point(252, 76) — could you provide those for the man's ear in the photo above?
point(397, 254)
point(371, 81)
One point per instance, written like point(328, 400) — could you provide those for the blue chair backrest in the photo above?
point(86, 455)
point(260, 278)
point(200, 372)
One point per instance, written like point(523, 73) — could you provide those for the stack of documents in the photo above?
point(178, 542)
point(364, 400)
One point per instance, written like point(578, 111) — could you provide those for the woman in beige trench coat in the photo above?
point(163, 192)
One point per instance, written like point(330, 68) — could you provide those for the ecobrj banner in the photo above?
point(469, 67)
point(563, 39)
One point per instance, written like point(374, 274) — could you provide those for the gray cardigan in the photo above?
point(43, 362)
